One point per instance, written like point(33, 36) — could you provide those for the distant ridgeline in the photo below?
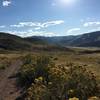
point(13, 42)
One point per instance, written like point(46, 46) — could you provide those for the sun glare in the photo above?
point(66, 2)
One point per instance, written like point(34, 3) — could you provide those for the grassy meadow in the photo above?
point(44, 75)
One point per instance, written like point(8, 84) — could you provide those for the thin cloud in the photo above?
point(2, 26)
point(6, 3)
point(90, 24)
point(37, 28)
point(52, 23)
point(32, 33)
point(73, 30)
point(38, 25)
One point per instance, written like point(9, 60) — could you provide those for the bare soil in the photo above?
point(8, 86)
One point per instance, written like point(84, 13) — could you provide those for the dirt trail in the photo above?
point(8, 88)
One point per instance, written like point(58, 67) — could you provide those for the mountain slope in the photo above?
point(12, 42)
point(85, 40)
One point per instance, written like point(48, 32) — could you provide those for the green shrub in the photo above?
point(26, 75)
point(42, 67)
point(2, 66)
point(38, 91)
point(29, 70)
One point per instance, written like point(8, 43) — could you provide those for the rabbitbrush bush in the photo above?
point(46, 81)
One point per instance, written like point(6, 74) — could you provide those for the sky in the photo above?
point(49, 17)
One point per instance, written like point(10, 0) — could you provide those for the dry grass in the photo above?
point(90, 61)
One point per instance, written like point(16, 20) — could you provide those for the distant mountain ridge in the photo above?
point(85, 40)
point(13, 42)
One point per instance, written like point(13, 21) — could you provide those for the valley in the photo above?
point(23, 64)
